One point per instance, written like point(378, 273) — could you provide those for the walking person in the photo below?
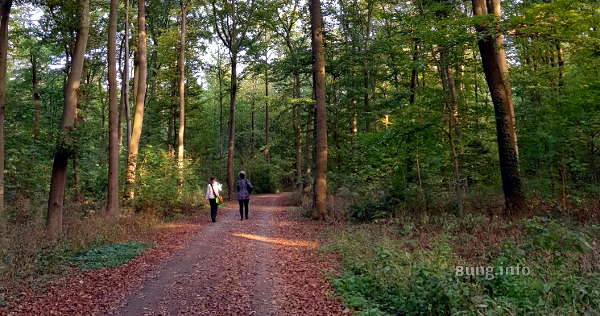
point(244, 188)
point(213, 195)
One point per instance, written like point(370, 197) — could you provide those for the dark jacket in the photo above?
point(243, 189)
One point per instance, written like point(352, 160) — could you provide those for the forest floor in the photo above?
point(267, 265)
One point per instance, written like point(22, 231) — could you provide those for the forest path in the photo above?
point(262, 266)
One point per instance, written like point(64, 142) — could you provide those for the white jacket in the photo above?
point(209, 191)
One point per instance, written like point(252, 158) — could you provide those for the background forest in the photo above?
point(411, 127)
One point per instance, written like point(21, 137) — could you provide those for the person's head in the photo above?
point(242, 175)
point(212, 179)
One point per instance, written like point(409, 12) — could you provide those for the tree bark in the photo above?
point(414, 73)
point(267, 156)
point(125, 82)
point(252, 114)
point(5, 6)
point(140, 96)
point(318, 60)
point(297, 131)
point(181, 70)
point(220, 78)
point(112, 194)
point(65, 144)
point(35, 94)
point(496, 74)
point(231, 143)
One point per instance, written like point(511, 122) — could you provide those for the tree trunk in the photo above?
point(297, 132)
point(252, 114)
point(220, 77)
point(231, 143)
point(181, 69)
point(493, 58)
point(267, 112)
point(65, 143)
point(112, 194)
point(140, 96)
point(414, 73)
point(318, 59)
point(36, 95)
point(451, 107)
point(5, 6)
point(125, 81)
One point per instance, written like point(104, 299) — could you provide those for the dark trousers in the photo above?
point(213, 209)
point(244, 204)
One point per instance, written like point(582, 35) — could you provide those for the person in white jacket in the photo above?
point(213, 190)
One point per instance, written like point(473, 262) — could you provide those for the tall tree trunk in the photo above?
point(140, 96)
point(493, 59)
point(451, 107)
point(220, 78)
point(414, 73)
point(297, 132)
point(37, 108)
point(267, 156)
point(5, 6)
point(231, 143)
point(252, 113)
point(65, 142)
point(181, 69)
point(125, 82)
point(112, 191)
point(318, 59)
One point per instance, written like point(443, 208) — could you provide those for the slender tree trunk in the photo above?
point(496, 74)
point(451, 102)
point(253, 113)
point(414, 73)
point(318, 56)
point(231, 143)
point(65, 142)
point(297, 132)
point(267, 156)
point(112, 194)
point(37, 108)
point(125, 81)
point(220, 77)
point(561, 65)
point(140, 96)
point(181, 62)
point(5, 6)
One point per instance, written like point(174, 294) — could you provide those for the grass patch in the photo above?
point(410, 268)
point(111, 255)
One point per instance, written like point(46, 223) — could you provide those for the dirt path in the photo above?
point(262, 266)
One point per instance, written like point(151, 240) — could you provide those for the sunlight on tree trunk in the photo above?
point(112, 191)
point(181, 79)
point(65, 145)
point(124, 113)
point(496, 74)
point(318, 56)
point(140, 96)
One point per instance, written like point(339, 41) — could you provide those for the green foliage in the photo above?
point(110, 255)
point(53, 260)
point(384, 273)
point(158, 186)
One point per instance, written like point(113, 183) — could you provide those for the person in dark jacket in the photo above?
point(244, 188)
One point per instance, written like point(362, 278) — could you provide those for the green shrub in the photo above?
point(111, 255)
point(385, 272)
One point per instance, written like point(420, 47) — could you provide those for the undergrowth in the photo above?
point(110, 255)
point(418, 266)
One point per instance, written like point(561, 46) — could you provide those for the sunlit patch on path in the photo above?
point(279, 241)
